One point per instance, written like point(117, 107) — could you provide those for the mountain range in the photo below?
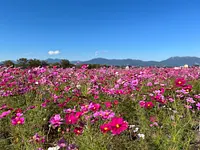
point(170, 62)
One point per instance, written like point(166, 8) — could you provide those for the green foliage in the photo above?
point(22, 62)
point(34, 63)
point(65, 63)
point(8, 63)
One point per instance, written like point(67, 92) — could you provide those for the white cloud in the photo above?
point(54, 52)
point(96, 53)
point(100, 52)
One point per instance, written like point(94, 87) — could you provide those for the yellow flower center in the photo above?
point(179, 82)
point(117, 125)
point(105, 128)
point(18, 122)
point(78, 131)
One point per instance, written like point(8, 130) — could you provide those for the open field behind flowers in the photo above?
point(99, 109)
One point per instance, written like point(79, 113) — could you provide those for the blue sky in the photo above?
point(86, 29)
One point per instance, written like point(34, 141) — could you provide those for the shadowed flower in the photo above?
point(187, 88)
point(72, 147)
point(3, 106)
point(78, 130)
point(39, 139)
point(62, 143)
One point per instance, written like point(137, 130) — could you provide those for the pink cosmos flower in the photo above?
point(4, 114)
point(180, 82)
point(69, 110)
point(3, 106)
point(142, 103)
point(71, 119)
point(148, 105)
point(171, 99)
point(78, 114)
point(197, 96)
point(78, 130)
point(188, 106)
point(38, 139)
point(84, 108)
point(108, 104)
point(94, 107)
point(107, 114)
point(134, 82)
point(116, 102)
point(105, 127)
point(187, 88)
point(97, 114)
point(18, 119)
point(149, 84)
point(118, 125)
point(190, 100)
point(44, 104)
point(154, 124)
point(198, 105)
point(56, 120)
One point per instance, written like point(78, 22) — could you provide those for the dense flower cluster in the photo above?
point(78, 99)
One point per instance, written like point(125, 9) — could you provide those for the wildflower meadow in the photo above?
point(145, 108)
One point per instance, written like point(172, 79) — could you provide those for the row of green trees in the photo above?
point(29, 63)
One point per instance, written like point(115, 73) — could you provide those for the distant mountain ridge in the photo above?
point(170, 62)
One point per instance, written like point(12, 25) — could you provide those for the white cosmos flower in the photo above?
point(141, 135)
point(136, 129)
point(54, 148)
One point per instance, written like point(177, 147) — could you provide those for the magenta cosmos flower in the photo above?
point(148, 105)
point(118, 125)
point(18, 119)
point(142, 103)
point(198, 106)
point(105, 127)
point(71, 119)
point(180, 82)
point(94, 107)
point(56, 120)
point(4, 114)
point(187, 88)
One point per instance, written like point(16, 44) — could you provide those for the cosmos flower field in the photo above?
point(99, 109)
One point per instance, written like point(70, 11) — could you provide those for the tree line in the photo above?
point(31, 63)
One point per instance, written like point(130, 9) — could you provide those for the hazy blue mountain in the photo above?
point(50, 60)
point(180, 61)
point(170, 62)
point(173, 61)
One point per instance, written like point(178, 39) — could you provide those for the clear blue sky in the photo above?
point(85, 29)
